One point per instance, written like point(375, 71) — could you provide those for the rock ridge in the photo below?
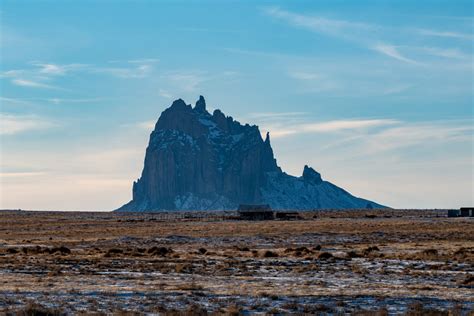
point(201, 161)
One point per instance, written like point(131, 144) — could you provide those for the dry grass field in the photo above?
point(330, 262)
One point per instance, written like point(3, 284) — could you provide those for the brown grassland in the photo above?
point(330, 262)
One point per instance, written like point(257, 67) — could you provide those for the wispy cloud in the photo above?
point(448, 34)
point(188, 81)
point(144, 61)
point(147, 125)
point(20, 174)
point(73, 100)
point(281, 127)
point(303, 75)
point(360, 33)
point(392, 51)
point(191, 81)
point(314, 82)
point(140, 71)
point(14, 100)
point(32, 101)
point(275, 115)
point(14, 124)
point(371, 36)
point(446, 53)
point(41, 74)
point(421, 133)
point(51, 69)
point(165, 94)
point(254, 53)
point(32, 84)
point(340, 125)
point(319, 24)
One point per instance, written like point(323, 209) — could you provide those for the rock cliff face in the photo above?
point(199, 161)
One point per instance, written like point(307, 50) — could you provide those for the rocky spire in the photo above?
point(198, 161)
point(267, 138)
point(200, 104)
point(312, 176)
point(178, 104)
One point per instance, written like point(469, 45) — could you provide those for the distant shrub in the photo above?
point(430, 252)
point(325, 256)
point(113, 251)
point(202, 250)
point(269, 254)
point(303, 249)
point(353, 254)
point(370, 249)
point(417, 309)
point(159, 251)
point(469, 280)
point(12, 251)
point(184, 268)
point(233, 310)
point(62, 250)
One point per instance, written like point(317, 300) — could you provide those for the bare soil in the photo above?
point(330, 262)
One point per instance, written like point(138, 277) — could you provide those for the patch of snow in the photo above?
point(189, 201)
point(287, 192)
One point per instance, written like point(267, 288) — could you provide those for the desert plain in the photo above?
point(362, 262)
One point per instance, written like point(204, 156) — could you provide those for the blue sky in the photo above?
point(375, 95)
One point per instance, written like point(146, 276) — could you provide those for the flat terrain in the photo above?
point(395, 262)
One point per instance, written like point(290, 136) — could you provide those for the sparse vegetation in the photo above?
point(188, 267)
point(325, 256)
point(270, 254)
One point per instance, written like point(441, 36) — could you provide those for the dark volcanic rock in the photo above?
point(200, 161)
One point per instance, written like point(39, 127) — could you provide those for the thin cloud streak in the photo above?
point(301, 75)
point(392, 51)
point(165, 94)
point(51, 69)
point(368, 35)
point(448, 34)
point(272, 115)
point(32, 84)
point(425, 134)
point(42, 73)
point(318, 24)
point(14, 100)
point(446, 53)
point(140, 71)
point(20, 174)
point(14, 124)
point(282, 129)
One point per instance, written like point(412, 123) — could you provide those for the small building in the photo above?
point(287, 216)
point(255, 212)
point(453, 213)
point(466, 211)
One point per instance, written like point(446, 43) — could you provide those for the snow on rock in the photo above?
point(198, 161)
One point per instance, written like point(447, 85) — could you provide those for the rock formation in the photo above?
point(199, 161)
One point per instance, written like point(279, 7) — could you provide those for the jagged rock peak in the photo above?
point(198, 161)
point(178, 104)
point(311, 175)
point(267, 138)
point(200, 104)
